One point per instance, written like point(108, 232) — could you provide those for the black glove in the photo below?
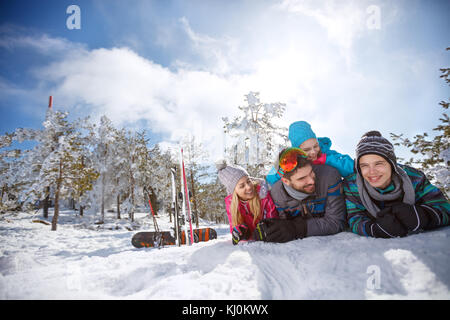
point(387, 225)
point(412, 217)
point(260, 231)
point(240, 232)
point(280, 230)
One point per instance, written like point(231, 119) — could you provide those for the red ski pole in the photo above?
point(187, 198)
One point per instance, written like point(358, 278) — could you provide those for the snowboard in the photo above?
point(154, 239)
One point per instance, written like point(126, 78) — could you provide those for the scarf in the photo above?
point(402, 186)
point(294, 193)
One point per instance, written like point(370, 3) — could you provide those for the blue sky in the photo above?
point(177, 67)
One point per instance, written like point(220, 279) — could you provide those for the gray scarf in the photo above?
point(402, 184)
point(294, 193)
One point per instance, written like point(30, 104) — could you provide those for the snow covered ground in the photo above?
point(85, 261)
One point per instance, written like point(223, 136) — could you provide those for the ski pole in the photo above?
point(187, 199)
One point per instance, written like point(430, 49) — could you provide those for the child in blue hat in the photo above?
point(318, 150)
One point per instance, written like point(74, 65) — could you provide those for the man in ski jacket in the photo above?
point(385, 199)
point(318, 150)
point(308, 199)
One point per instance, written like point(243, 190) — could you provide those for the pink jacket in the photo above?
point(267, 205)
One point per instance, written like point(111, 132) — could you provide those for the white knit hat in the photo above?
point(229, 176)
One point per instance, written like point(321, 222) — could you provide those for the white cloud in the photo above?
point(12, 37)
point(344, 21)
point(130, 89)
point(312, 64)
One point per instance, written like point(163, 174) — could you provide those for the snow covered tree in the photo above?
point(435, 152)
point(103, 143)
point(159, 176)
point(87, 172)
point(120, 181)
point(27, 169)
point(83, 181)
point(210, 198)
point(8, 160)
point(54, 164)
point(149, 169)
point(134, 151)
point(196, 170)
point(255, 134)
point(60, 167)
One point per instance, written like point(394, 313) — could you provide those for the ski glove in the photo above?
point(412, 217)
point(387, 225)
point(280, 230)
point(240, 232)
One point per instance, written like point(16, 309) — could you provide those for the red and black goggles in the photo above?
point(288, 159)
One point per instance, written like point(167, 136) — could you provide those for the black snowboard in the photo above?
point(156, 239)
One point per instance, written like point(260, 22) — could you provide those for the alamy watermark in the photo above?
point(373, 21)
point(74, 20)
point(374, 280)
point(73, 277)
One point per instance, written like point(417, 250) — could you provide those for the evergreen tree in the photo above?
point(60, 166)
point(435, 152)
point(210, 199)
point(196, 170)
point(8, 185)
point(103, 144)
point(255, 134)
point(159, 177)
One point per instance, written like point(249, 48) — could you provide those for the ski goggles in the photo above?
point(288, 159)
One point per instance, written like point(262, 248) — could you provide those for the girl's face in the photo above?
point(311, 147)
point(245, 189)
point(375, 170)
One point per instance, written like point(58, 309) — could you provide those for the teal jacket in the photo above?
point(342, 162)
point(427, 195)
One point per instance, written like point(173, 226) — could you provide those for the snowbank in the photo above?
point(76, 262)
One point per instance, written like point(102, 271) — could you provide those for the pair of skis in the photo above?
point(186, 202)
point(159, 238)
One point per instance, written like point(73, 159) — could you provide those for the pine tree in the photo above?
point(103, 144)
point(8, 159)
point(25, 169)
point(210, 198)
point(196, 170)
point(60, 166)
point(159, 177)
point(255, 134)
point(87, 174)
point(133, 148)
point(435, 152)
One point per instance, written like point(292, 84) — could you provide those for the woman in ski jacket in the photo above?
point(247, 203)
point(385, 199)
point(318, 150)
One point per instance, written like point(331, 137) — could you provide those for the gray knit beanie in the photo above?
point(230, 175)
point(373, 142)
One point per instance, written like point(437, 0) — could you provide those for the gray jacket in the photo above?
point(324, 211)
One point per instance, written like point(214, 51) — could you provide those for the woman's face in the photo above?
point(245, 189)
point(375, 170)
point(311, 147)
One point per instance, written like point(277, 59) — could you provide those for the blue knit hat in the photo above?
point(299, 132)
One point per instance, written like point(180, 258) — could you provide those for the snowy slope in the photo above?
point(80, 262)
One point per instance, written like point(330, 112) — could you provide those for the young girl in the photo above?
point(247, 203)
point(318, 150)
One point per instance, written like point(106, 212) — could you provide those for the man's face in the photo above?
point(375, 170)
point(303, 180)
